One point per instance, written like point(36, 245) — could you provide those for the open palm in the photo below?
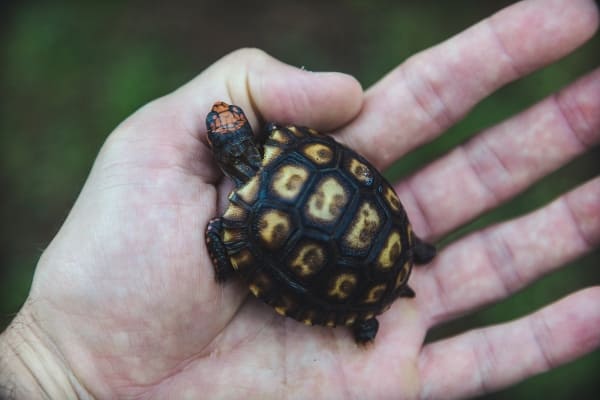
point(126, 296)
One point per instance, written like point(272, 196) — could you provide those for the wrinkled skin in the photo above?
point(125, 298)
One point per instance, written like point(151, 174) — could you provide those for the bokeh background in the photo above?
point(71, 72)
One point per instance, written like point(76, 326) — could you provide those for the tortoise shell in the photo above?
point(316, 231)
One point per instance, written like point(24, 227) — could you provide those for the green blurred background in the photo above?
point(71, 73)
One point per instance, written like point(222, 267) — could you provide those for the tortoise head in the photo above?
point(232, 142)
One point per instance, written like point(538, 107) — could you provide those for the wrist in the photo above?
point(31, 367)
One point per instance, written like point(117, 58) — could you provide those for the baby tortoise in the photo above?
point(314, 229)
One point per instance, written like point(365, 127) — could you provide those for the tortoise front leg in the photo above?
point(217, 251)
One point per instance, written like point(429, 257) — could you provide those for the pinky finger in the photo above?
point(489, 359)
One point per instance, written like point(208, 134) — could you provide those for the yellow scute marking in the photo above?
point(260, 284)
point(255, 290)
point(284, 304)
point(308, 260)
point(232, 235)
point(390, 251)
point(270, 153)
point(280, 310)
point(375, 293)
point(297, 132)
point(342, 286)
point(279, 137)
point(403, 275)
point(249, 191)
point(360, 171)
point(289, 181)
point(235, 213)
point(319, 153)
point(314, 132)
point(350, 320)
point(363, 228)
point(309, 317)
point(274, 228)
point(327, 202)
point(392, 199)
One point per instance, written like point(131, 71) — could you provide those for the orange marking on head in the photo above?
point(220, 106)
point(226, 118)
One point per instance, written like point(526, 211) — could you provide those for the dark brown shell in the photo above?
point(318, 233)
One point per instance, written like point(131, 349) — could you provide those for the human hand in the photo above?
point(124, 302)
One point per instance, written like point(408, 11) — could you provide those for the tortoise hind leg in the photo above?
point(366, 330)
point(406, 291)
point(217, 251)
point(423, 252)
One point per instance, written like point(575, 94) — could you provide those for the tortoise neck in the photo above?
point(238, 155)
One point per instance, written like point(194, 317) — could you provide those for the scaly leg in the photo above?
point(217, 251)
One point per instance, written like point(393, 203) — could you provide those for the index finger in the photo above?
point(432, 90)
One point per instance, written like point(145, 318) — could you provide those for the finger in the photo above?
point(503, 160)
point(435, 88)
point(491, 264)
point(486, 360)
point(270, 90)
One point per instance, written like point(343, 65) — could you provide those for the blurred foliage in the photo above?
point(71, 73)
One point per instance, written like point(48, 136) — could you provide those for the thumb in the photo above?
point(269, 90)
point(173, 127)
